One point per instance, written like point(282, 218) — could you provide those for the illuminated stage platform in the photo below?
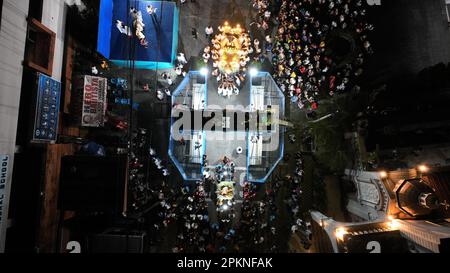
point(160, 30)
point(260, 149)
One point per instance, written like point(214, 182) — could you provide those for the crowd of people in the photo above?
point(264, 14)
point(187, 210)
point(225, 170)
point(138, 186)
point(168, 79)
point(306, 48)
point(299, 224)
point(308, 65)
point(221, 177)
point(193, 226)
point(257, 231)
point(257, 227)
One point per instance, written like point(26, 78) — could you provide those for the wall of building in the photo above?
point(424, 233)
point(54, 14)
point(12, 48)
point(54, 17)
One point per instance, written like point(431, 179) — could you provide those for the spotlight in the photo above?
point(253, 72)
point(225, 207)
point(340, 232)
point(423, 168)
point(394, 224)
point(204, 71)
point(383, 174)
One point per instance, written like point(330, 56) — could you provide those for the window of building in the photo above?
point(40, 47)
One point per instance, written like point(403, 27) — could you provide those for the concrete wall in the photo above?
point(12, 48)
point(54, 17)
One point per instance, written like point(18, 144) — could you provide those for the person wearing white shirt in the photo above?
point(181, 58)
point(206, 57)
point(230, 91)
point(179, 70)
point(159, 95)
point(238, 81)
point(209, 31)
point(151, 10)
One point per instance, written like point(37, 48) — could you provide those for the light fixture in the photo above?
point(423, 168)
point(394, 224)
point(253, 72)
point(225, 207)
point(340, 232)
point(204, 71)
point(383, 174)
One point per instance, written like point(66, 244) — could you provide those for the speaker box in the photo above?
point(118, 241)
point(90, 183)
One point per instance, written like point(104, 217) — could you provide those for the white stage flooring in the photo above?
point(220, 144)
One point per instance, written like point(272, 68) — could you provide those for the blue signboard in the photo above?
point(47, 109)
point(156, 43)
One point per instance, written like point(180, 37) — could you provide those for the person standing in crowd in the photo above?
point(209, 31)
point(194, 33)
point(181, 58)
point(268, 43)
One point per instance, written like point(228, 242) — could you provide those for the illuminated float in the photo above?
point(225, 192)
point(230, 51)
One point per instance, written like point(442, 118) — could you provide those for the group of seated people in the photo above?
point(227, 89)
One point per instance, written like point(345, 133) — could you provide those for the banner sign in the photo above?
point(94, 101)
point(47, 109)
point(4, 169)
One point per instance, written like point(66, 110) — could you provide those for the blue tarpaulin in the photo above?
point(161, 31)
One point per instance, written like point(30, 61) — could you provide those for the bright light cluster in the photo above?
point(340, 232)
point(231, 46)
point(229, 52)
